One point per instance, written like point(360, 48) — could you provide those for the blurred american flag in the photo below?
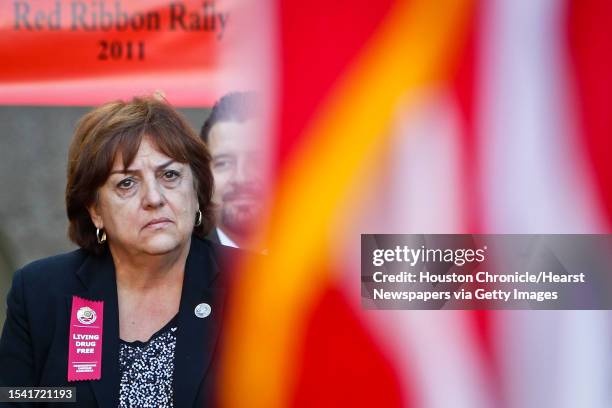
point(426, 117)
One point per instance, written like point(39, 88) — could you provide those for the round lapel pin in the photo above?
point(203, 310)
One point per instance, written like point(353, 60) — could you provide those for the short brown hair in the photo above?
point(118, 128)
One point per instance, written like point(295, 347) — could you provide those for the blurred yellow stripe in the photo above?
point(410, 50)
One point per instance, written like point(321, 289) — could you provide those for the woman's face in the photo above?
point(148, 208)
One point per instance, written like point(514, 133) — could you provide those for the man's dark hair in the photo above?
point(233, 107)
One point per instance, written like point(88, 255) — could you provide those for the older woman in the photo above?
point(132, 317)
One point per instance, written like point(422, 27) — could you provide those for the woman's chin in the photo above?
point(161, 245)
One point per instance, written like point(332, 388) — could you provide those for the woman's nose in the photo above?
point(153, 194)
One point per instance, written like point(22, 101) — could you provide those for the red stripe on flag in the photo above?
point(463, 85)
point(319, 40)
point(341, 366)
point(589, 32)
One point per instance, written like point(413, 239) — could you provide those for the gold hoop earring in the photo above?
point(101, 238)
point(198, 221)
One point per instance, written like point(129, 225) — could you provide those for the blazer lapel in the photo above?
point(196, 336)
point(97, 274)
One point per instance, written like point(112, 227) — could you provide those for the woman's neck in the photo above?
point(144, 271)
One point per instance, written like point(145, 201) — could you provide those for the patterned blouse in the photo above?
point(147, 369)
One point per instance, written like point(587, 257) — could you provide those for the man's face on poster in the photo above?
point(239, 170)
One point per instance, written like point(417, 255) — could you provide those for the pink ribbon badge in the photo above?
point(85, 341)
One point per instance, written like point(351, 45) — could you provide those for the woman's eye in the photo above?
point(125, 183)
point(171, 175)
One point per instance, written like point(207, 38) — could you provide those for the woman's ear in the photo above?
point(95, 216)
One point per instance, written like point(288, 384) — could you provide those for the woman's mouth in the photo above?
point(158, 223)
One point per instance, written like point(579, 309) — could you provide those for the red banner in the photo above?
point(75, 52)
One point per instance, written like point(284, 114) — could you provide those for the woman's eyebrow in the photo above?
point(132, 171)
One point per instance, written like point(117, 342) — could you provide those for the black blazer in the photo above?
point(34, 343)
